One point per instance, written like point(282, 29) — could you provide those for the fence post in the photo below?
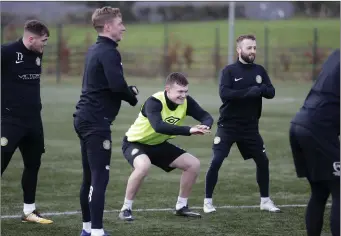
point(315, 41)
point(266, 48)
point(59, 45)
point(2, 32)
point(165, 51)
point(216, 54)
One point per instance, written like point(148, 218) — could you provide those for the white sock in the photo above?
point(97, 232)
point(87, 227)
point(264, 199)
point(29, 208)
point(128, 204)
point(181, 203)
point(208, 201)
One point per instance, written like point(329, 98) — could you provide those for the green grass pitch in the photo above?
point(61, 173)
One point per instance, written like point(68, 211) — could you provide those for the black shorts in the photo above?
point(23, 135)
point(249, 143)
point(160, 155)
point(316, 156)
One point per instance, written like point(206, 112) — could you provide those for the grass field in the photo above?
point(60, 174)
point(283, 33)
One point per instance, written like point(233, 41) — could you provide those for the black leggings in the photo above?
point(320, 192)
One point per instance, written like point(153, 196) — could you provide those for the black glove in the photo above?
point(263, 88)
point(134, 89)
point(255, 91)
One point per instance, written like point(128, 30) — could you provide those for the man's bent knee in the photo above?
point(187, 162)
point(142, 164)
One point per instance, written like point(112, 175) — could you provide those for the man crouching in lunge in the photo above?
point(146, 142)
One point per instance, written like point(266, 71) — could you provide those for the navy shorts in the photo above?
point(249, 143)
point(160, 155)
point(316, 155)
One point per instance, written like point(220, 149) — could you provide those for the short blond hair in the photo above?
point(103, 15)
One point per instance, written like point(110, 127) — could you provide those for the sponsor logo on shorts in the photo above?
point(106, 144)
point(4, 141)
point(216, 140)
point(134, 151)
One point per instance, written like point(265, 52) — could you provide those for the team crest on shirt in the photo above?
point(216, 140)
point(38, 61)
point(106, 144)
point(336, 166)
point(4, 141)
point(259, 79)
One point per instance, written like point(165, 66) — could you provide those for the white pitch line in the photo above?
point(155, 210)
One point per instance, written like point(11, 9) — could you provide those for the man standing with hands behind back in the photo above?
point(242, 86)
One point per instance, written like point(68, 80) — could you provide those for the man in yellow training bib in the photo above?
point(145, 143)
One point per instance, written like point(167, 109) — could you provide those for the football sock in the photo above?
point(29, 208)
point(87, 227)
point(181, 203)
point(128, 204)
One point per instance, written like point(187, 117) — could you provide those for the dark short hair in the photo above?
point(36, 27)
point(176, 78)
point(245, 36)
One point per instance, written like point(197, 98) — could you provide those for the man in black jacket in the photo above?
point(21, 123)
point(242, 86)
point(103, 89)
point(315, 145)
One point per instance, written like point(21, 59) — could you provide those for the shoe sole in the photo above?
point(207, 212)
point(26, 221)
point(271, 211)
point(126, 219)
point(190, 216)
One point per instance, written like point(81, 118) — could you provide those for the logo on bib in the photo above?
point(172, 120)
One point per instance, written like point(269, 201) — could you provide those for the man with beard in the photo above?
point(242, 86)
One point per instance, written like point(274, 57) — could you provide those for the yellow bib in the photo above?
point(142, 131)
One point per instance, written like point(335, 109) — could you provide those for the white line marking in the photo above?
point(154, 210)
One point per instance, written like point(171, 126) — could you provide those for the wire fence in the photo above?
point(64, 56)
